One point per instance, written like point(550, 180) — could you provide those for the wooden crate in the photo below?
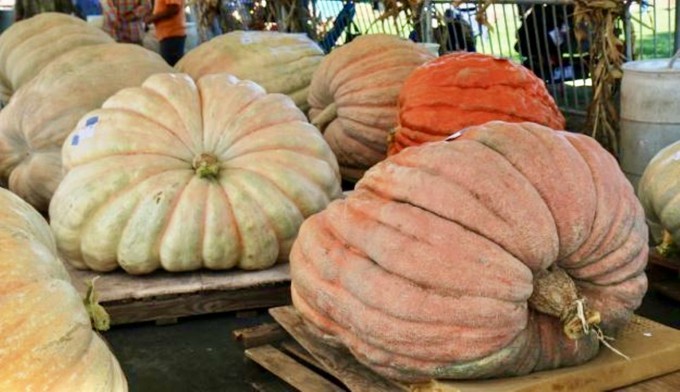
point(164, 297)
point(309, 364)
point(664, 274)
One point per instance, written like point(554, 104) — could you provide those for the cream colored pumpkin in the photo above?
point(659, 193)
point(353, 97)
point(40, 115)
point(46, 339)
point(279, 62)
point(182, 175)
point(29, 45)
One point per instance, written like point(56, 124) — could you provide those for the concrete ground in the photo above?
point(198, 354)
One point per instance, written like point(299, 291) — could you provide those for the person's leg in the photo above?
point(172, 49)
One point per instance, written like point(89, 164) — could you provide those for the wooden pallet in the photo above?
point(295, 356)
point(163, 297)
point(664, 274)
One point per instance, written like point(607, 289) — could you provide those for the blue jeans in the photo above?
point(172, 49)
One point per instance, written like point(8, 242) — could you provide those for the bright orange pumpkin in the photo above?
point(464, 89)
point(437, 270)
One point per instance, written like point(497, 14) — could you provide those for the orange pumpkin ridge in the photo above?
point(465, 89)
point(474, 270)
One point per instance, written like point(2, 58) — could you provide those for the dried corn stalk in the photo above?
point(606, 61)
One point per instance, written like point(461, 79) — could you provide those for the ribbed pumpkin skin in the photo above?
point(465, 89)
point(132, 197)
point(47, 342)
point(29, 45)
point(659, 192)
point(43, 112)
point(279, 62)
point(425, 270)
point(358, 85)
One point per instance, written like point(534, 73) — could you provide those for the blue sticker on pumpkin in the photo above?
point(85, 132)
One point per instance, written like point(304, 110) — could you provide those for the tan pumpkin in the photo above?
point(29, 45)
point(471, 258)
point(46, 339)
point(353, 97)
point(44, 111)
point(182, 175)
point(279, 62)
point(659, 193)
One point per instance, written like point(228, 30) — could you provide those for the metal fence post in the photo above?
point(427, 26)
point(628, 31)
point(676, 41)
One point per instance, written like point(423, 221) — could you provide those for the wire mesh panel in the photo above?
point(538, 34)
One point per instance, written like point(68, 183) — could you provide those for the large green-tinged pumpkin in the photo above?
point(353, 97)
point(29, 45)
point(46, 339)
point(279, 62)
point(464, 89)
point(659, 193)
point(182, 175)
point(458, 259)
point(40, 115)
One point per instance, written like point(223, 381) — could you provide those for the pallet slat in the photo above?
point(163, 295)
point(654, 350)
point(290, 370)
point(259, 335)
point(336, 362)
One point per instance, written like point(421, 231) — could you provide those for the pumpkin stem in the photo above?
point(667, 248)
point(206, 166)
point(555, 294)
point(325, 117)
point(101, 321)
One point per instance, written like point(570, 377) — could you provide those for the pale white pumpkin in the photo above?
point(29, 45)
point(279, 62)
point(40, 115)
point(182, 175)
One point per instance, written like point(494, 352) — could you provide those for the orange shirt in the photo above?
point(173, 26)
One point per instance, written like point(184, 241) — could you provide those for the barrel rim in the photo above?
point(637, 66)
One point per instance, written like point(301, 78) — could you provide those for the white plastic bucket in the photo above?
point(432, 47)
point(650, 113)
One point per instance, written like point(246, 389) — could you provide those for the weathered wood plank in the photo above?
point(118, 285)
point(290, 370)
point(656, 259)
point(669, 288)
point(124, 312)
point(336, 360)
point(294, 348)
point(669, 382)
point(259, 335)
point(654, 350)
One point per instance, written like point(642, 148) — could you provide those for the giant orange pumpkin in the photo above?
point(353, 97)
point(476, 269)
point(464, 89)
